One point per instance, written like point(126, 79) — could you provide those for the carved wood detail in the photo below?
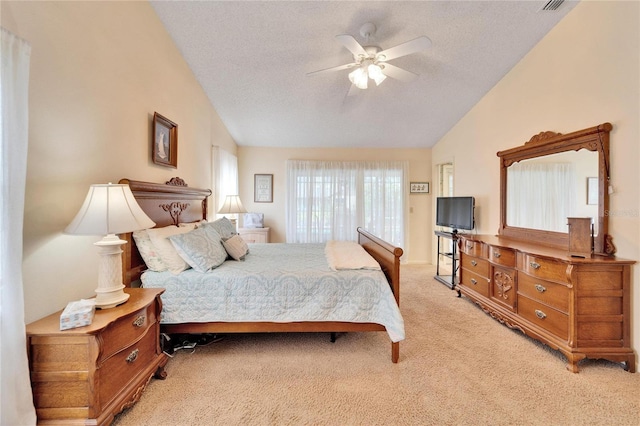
point(176, 181)
point(499, 317)
point(542, 136)
point(175, 209)
point(504, 282)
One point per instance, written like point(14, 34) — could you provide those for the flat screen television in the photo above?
point(455, 212)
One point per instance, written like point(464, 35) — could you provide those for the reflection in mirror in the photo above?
point(543, 192)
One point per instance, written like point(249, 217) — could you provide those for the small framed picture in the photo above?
point(165, 141)
point(592, 190)
point(419, 187)
point(263, 188)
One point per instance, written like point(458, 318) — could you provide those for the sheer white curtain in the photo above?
point(225, 175)
point(328, 200)
point(15, 388)
point(541, 195)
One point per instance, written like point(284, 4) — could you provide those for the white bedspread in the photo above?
point(279, 283)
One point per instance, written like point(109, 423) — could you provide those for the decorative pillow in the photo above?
point(201, 248)
point(236, 247)
point(148, 251)
point(160, 239)
point(223, 226)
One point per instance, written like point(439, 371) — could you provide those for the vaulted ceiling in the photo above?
point(252, 60)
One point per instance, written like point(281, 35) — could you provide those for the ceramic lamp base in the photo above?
point(109, 293)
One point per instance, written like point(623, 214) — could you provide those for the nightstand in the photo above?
point(86, 375)
point(254, 235)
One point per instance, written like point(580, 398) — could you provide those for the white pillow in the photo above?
point(236, 247)
point(148, 251)
point(201, 248)
point(160, 239)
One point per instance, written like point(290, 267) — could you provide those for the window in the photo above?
point(329, 200)
point(225, 176)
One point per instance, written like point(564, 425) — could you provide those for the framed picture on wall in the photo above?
point(263, 188)
point(165, 141)
point(419, 187)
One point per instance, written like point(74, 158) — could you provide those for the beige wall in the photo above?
point(99, 70)
point(253, 160)
point(583, 73)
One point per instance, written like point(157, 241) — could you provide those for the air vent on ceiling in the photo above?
point(552, 5)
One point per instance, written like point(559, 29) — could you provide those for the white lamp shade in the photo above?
point(232, 204)
point(109, 209)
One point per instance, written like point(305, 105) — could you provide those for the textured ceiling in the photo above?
point(252, 58)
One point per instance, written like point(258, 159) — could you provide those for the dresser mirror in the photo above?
point(552, 177)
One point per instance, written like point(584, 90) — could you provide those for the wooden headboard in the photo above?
point(166, 204)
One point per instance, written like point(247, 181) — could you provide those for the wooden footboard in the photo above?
point(174, 202)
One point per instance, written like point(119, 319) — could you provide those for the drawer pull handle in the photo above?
point(496, 254)
point(132, 356)
point(474, 281)
point(474, 263)
point(139, 322)
point(540, 314)
point(535, 265)
point(541, 288)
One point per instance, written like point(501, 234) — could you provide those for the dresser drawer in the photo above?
point(549, 293)
point(126, 365)
point(475, 282)
point(502, 256)
point(127, 329)
point(473, 248)
point(543, 316)
point(475, 265)
point(542, 268)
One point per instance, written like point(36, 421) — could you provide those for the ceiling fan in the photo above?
point(371, 62)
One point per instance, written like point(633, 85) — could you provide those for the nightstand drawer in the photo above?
point(254, 235)
point(130, 328)
point(125, 366)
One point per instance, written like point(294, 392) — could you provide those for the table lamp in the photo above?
point(109, 209)
point(232, 205)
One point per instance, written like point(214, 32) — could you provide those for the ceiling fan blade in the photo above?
point(413, 46)
point(350, 43)
point(338, 68)
point(398, 73)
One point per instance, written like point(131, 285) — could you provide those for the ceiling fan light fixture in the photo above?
point(359, 77)
point(375, 73)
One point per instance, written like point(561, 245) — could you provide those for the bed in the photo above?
point(175, 203)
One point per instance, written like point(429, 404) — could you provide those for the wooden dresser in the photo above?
point(578, 306)
point(86, 375)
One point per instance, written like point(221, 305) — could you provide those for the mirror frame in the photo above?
point(546, 143)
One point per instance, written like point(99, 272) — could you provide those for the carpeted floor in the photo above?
point(457, 367)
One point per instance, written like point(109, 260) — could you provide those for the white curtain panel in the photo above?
point(541, 195)
point(328, 200)
point(225, 175)
point(15, 388)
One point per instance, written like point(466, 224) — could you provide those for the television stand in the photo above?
point(445, 275)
